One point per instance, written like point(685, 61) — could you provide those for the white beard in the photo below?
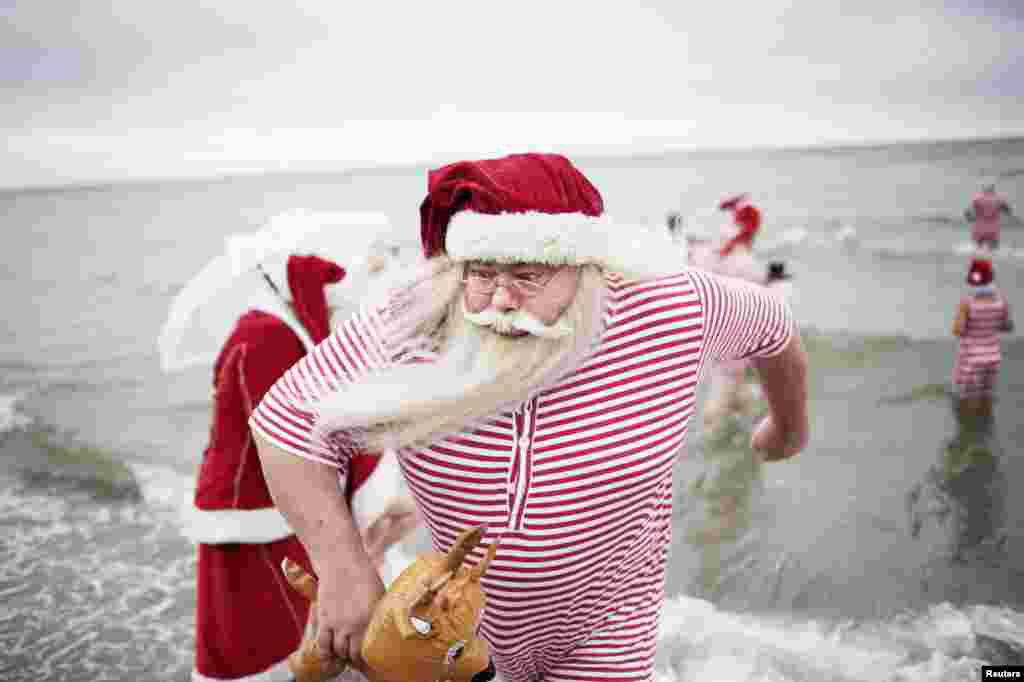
point(474, 374)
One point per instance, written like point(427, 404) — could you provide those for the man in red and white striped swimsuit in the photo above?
point(536, 376)
point(981, 317)
point(984, 214)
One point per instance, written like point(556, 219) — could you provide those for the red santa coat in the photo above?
point(248, 620)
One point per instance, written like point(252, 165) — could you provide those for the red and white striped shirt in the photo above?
point(576, 482)
point(986, 320)
point(979, 339)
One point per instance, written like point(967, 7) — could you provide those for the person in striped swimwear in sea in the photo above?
point(536, 376)
point(982, 315)
point(984, 214)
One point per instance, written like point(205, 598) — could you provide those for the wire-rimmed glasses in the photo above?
point(486, 282)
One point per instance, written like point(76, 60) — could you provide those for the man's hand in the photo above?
point(775, 444)
point(348, 593)
point(308, 494)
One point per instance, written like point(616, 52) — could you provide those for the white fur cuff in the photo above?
point(246, 526)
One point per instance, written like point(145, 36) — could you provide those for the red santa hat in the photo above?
point(534, 208)
point(732, 203)
point(307, 278)
point(980, 273)
point(748, 219)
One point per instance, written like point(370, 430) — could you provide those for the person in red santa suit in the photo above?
point(248, 619)
point(736, 254)
point(733, 393)
point(536, 376)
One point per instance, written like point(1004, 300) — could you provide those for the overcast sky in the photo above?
point(116, 89)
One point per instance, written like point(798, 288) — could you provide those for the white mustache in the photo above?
point(505, 323)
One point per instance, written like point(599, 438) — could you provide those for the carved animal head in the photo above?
point(424, 629)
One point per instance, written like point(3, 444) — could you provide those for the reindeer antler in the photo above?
point(464, 544)
point(478, 571)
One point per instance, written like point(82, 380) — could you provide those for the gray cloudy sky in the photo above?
point(110, 89)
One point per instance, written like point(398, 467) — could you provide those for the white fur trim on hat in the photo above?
point(636, 251)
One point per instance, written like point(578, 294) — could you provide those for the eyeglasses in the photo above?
point(486, 282)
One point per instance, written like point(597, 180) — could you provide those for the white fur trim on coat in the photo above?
point(635, 251)
point(279, 672)
point(244, 526)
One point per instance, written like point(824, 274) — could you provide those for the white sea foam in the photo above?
point(122, 573)
point(163, 488)
point(793, 236)
point(847, 237)
point(698, 641)
point(10, 417)
point(92, 588)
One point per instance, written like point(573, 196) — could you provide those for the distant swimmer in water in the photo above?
point(674, 223)
point(735, 257)
point(982, 315)
point(747, 218)
point(698, 248)
point(777, 280)
point(984, 214)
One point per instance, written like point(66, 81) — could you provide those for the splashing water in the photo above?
point(701, 642)
point(112, 601)
point(10, 417)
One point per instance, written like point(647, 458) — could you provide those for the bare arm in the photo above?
point(786, 430)
point(308, 495)
point(961, 320)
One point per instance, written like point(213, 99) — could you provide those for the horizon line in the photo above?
point(369, 166)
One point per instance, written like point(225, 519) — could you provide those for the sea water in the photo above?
point(891, 549)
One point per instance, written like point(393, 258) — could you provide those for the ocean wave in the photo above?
point(937, 219)
point(10, 417)
point(92, 591)
point(1002, 254)
point(845, 236)
point(46, 458)
point(101, 586)
point(699, 641)
point(848, 238)
point(118, 370)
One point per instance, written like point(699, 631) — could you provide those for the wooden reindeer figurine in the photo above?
point(424, 629)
